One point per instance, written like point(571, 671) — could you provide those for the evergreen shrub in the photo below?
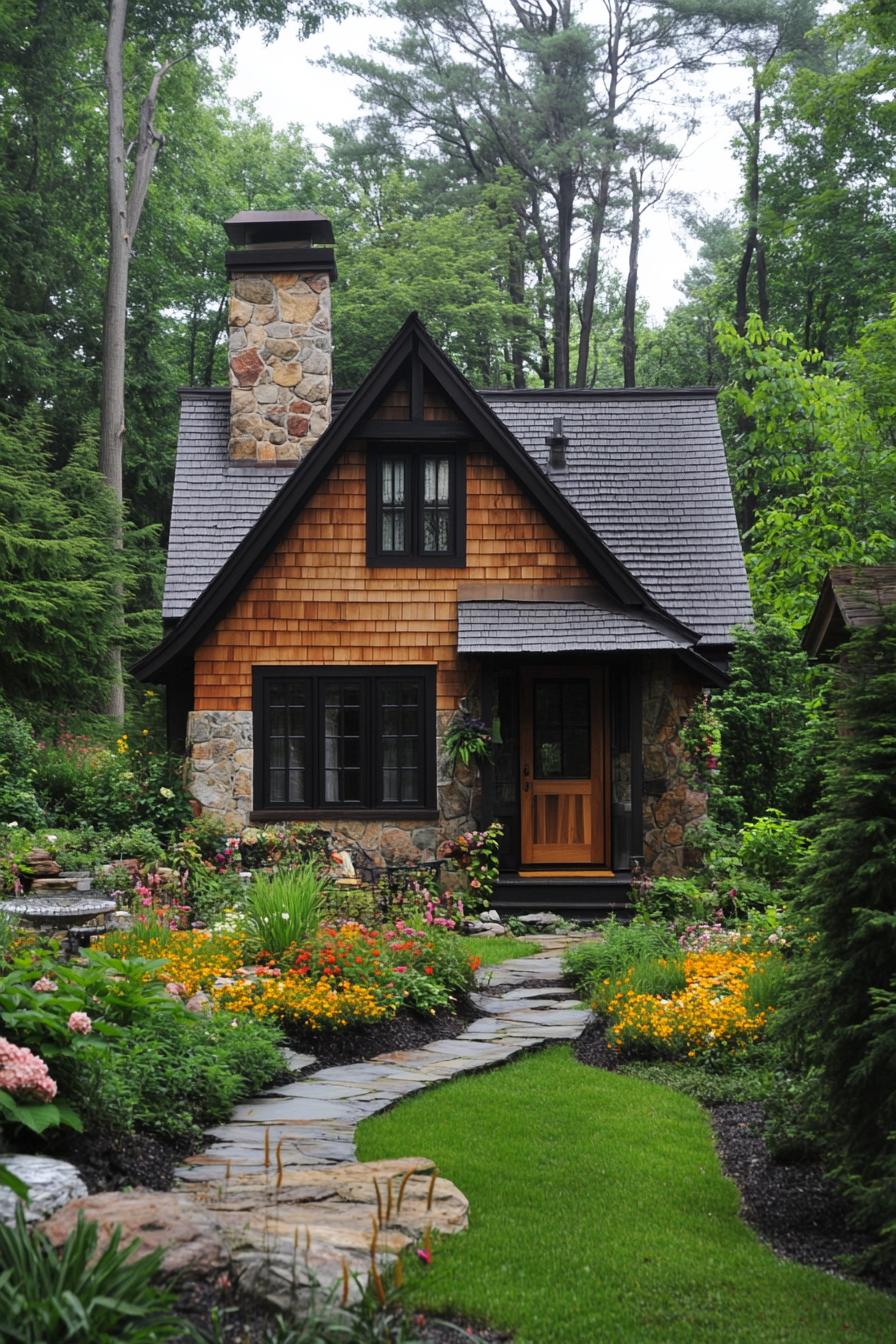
point(838, 1023)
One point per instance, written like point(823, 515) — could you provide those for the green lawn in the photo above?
point(503, 948)
point(599, 1213)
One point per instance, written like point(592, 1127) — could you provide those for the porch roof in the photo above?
point(558, 627)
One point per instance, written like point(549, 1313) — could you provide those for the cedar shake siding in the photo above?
point(316, 601)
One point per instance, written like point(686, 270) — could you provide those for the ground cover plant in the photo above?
point(600, 1213)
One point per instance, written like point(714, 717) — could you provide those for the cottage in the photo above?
point(348, 573)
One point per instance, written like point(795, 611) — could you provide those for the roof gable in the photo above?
point(413, 347)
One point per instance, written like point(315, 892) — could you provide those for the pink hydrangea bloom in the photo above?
point(24, 1074)
point(80, 1023)
point(44, 985)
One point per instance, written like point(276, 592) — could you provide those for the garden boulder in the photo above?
point(51, 1183)
point(191, 1237)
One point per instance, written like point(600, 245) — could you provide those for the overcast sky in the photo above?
point(293, 88)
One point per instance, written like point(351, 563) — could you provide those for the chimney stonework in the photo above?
point(280, 353)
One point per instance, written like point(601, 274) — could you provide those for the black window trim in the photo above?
point(317, 675)
point(413, 454)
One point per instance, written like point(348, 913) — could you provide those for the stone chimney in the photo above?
point(281, 367)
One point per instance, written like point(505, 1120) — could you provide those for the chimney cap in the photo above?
point(250, 227)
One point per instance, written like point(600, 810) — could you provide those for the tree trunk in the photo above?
point(115, 309)
point(629, 345)
point(563, 279)
point(125, 208)
point(752, 238)
point(598, 220)
point(516, 286)
point(215, 329)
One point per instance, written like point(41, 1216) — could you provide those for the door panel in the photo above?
point(563, 767)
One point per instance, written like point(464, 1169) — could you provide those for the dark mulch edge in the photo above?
point(793, 1207)
point(405, 1031)
point(111, 1161)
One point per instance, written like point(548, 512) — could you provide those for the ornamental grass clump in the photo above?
point(285, 909)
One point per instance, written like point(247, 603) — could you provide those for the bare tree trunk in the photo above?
point(214, 332)
point(125, 208)
point(563, 278)
point(516, 285)
point(629, 344)
point(751, 241)
point(115, 310)
point(598, 220)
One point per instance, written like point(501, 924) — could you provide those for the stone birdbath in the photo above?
point(59, 912)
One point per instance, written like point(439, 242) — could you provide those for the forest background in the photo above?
point(504, 150)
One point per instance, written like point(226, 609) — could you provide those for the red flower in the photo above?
point(427, 970)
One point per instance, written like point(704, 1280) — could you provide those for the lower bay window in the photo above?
point(338, 741)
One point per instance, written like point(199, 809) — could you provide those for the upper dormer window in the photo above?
point(415, 513)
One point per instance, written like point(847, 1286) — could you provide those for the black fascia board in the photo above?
point(265, 533)
point(709, 673)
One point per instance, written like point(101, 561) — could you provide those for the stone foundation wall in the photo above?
point(219, 763)
point(670, 803)
point(219, 777)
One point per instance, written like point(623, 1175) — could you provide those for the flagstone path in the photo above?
point(311, 1122)
point(279, 1198)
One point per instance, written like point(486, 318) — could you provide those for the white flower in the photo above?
point(52, 839)
point(285, 915)
point(12, 824)
point(166, 793)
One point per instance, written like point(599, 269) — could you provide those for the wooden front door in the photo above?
point(563, 767)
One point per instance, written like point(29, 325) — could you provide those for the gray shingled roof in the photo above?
point(215, 500)
point(556, 627)
point(648, 474)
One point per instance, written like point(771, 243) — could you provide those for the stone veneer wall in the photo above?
point(280, 365)
point(670, 804)
point(219, 777)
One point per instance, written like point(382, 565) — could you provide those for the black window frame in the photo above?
point(371, 680)
point(414, 456)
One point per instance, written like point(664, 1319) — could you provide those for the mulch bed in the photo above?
point(794, 1207)
point(406, 1031)
point(114, 1161)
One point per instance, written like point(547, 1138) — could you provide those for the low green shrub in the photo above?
point(283, 910)
point(80, 1296)
point(674, 900)
point(178, 1074)
point(18, 756)
point(771, 848)
point(80, 782)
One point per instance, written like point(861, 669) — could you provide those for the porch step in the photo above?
point(584, 898)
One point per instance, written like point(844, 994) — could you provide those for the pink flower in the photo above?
point(24, 1074)
point(474, 882)
point(425, 1256)
point(146, 900)
point(400, 969)
point(80, 1023)
point(44, 985)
